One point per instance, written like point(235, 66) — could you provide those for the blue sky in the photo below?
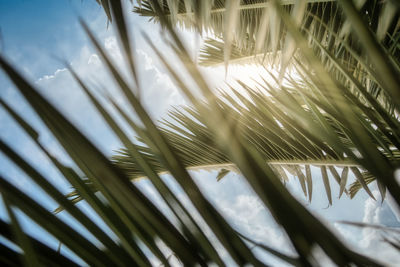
point(35, 33)
point(32, 28)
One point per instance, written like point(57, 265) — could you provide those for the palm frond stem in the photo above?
point(282, 163)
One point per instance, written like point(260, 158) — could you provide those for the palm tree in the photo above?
point(327, 116)
point(281, 140)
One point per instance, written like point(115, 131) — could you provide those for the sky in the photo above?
point(37, 36)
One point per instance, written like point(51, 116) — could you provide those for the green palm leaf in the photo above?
point(325, 119)
point(325, 28)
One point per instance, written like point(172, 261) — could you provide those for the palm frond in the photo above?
point(258, 118)
point(248, 160)
point(283, 144)
point(326, 30)
point(323, 21)
point(316, 118)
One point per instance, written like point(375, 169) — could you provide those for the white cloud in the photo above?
point(369, 240)
point(94, 59)
point(159, 93)
point(148, 62)
point(48, 77)
point(249, 216)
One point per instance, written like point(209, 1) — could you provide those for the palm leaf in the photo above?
point(308, 117)
point(248, 160)
point(323, 26)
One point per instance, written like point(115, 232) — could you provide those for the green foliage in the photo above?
point(328, 42)
point(342, 109)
